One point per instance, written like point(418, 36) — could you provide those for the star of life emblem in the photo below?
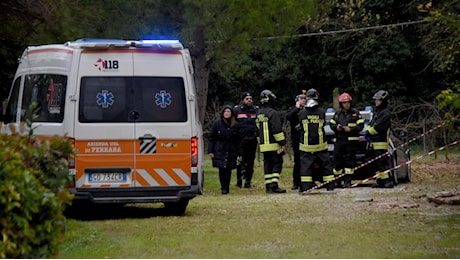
point(163, 99)
point(105, 98)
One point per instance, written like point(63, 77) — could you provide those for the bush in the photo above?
point(33, 195)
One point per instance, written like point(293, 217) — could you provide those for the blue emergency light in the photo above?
point(160, 41)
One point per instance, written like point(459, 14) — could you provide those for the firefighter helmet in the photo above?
point(381, 95)
point(313, 94)
point(267, 97)
point(345, 97)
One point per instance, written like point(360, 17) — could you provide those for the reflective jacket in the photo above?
point(351, 118)
point(379, 128)
point(271, 135)
point(312, 134)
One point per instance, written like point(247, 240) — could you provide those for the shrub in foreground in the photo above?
point(33, 195)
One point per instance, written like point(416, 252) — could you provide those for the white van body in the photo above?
point(131, 110)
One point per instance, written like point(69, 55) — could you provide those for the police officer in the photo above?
point(346, 124)
point(271, 141)
point(313, 144)
point(378, 132)
point(293, 118)
point(246, 113)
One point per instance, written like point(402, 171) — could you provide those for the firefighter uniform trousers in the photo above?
point(345, 156)
point(313, 146)
point(273, 165)
point(307, 159)
point(382, 164)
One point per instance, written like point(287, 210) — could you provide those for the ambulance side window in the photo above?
point(48, 91)
point(12, 107)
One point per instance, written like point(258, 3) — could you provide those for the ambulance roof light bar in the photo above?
point(160, 44)
point(93, 43)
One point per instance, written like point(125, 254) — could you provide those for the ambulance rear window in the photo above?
point(113, 99)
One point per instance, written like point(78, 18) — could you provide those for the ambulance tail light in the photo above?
point(71, 164)
point(194, 161)
point(194, 151)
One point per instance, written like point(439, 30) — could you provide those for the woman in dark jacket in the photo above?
point(223, 146)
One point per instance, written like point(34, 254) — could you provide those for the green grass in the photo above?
point(252, 224)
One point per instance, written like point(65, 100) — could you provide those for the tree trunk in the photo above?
point(201, 65)
point(201, 84)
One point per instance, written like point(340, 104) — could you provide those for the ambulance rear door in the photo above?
point(163, 128)
point(105, 136)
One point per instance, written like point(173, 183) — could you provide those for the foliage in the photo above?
point(253, 45)
point(32, 199)
point(443, 46)
point(450, 100)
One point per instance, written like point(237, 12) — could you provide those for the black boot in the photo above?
point(305, 186)
point(338, 183)
point(267, 188)
point(239, 183)
point(247, 185)
point(275, 189)
point(347, 180)
point(383, 183)
point(330, 186)
point(388, 183)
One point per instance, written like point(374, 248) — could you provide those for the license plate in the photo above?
point(107, 177)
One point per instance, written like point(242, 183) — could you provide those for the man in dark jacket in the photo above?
point(246, 113)
point(313, 144)
point(223, 146)
point(271, 141)
point(346, 124)
point(378, 132)
point(293, 118)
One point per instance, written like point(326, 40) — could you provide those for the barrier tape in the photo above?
point(400, 165)
point(378, 157)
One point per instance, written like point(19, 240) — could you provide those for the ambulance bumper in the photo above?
point(134, 195)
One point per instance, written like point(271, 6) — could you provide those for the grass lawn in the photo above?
point(398, 223)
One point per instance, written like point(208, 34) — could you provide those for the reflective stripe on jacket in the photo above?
point(379, 128)
point(352, 119)
point(271, 135)
point(312, 134)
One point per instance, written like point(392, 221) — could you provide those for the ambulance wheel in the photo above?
point(393, 173)
point(176, 208)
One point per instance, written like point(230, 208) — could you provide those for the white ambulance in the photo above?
point(130, 109)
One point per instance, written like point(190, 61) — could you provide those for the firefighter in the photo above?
point(346, 124)
point(293, 118)
point(246, 113)
point(378, 133)
point(271, 141)
point(313, 144)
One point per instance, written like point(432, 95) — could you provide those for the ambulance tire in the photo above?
point(176, 208)
point(393, 173)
